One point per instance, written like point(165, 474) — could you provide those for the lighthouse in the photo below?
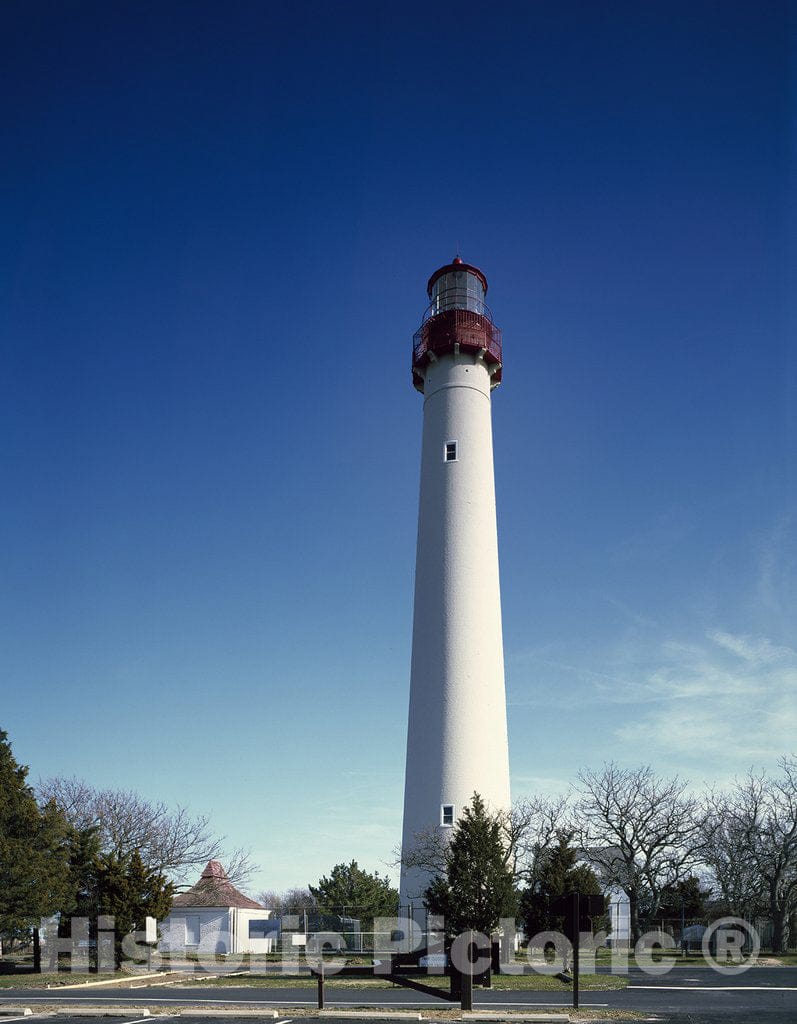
point(457, 736)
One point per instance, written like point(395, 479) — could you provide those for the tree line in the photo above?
point(627, 829)
point(69, 848)
point(675, 853)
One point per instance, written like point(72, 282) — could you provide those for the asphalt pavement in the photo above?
point(683, 996)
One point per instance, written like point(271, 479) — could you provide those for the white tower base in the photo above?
point(457, 739)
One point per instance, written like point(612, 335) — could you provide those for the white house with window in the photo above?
point(214, 917)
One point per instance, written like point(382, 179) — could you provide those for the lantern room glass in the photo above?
point(457, 289)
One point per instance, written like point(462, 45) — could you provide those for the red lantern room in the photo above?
point(457, 320)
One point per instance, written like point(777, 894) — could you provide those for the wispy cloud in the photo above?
point(754, 650)
point(775, 587)
point(731, 697)
point(707, 689)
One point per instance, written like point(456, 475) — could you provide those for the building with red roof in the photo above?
point(215, 917)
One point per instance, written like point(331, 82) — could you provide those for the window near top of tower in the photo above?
point(447, 814)
point(451, 451)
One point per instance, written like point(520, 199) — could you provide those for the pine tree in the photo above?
point(560, 875)
point(477, 889)
point(131, 892)
point(33, 850)
point(684, 897)
point(83, 845)
point(350, 891)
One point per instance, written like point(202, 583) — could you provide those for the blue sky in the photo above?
point(218, 221)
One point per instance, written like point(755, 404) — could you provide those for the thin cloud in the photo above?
point(731, 697)
point(755, 650)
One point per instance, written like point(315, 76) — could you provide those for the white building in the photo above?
point(457, 735)
point(214, 917)
point(618, 909)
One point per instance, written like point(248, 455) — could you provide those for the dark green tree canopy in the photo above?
point(34, 870)
point(686, 896)
point(560, 874)
point(350, 891)
point(114, 884)
point(477, 888)
point(131, 891)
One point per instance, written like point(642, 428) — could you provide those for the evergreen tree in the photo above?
point(351, 892)
point(477, 889)
point(130, 891)
point(116, 883)
point(686, 896)
point(83, 845)
point(33, 850)
point(560, 875)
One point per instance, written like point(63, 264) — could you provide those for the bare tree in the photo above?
point(171, 840)
point(641, 832)
point(735, 878)
point(428, 851)
point(529, 829)
point(238, 864)
point(292, 901)
point(759, 822)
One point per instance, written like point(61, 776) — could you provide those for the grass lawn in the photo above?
point(603, 959)
point(501, 982)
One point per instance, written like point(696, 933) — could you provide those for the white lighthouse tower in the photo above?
point(457, 737)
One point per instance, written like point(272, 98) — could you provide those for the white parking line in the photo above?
point(148, 1020)
point(715, 988)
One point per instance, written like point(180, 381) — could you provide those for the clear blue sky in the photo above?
point(217, 224)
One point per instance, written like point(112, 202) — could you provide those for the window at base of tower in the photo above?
point(450, 453)
point(447, 814)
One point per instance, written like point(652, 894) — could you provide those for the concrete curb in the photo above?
point(152, 978)
point(103, 1011)
point(226, 1012)
point(549, 1018)
point(180, 980)
point(370, 1014)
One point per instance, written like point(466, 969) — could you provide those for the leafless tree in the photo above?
point(238, 864)
point(292, 901)
point(735, 878)
point(529, 829)
point(172, 840)
point(428, 851)
point(755, 836)
point(641, 832)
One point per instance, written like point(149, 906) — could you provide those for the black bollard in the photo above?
point(466, 994)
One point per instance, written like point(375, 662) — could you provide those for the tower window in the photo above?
point(450, 454)
point(447, 814)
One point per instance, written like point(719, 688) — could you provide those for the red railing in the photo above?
point(442, 331)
